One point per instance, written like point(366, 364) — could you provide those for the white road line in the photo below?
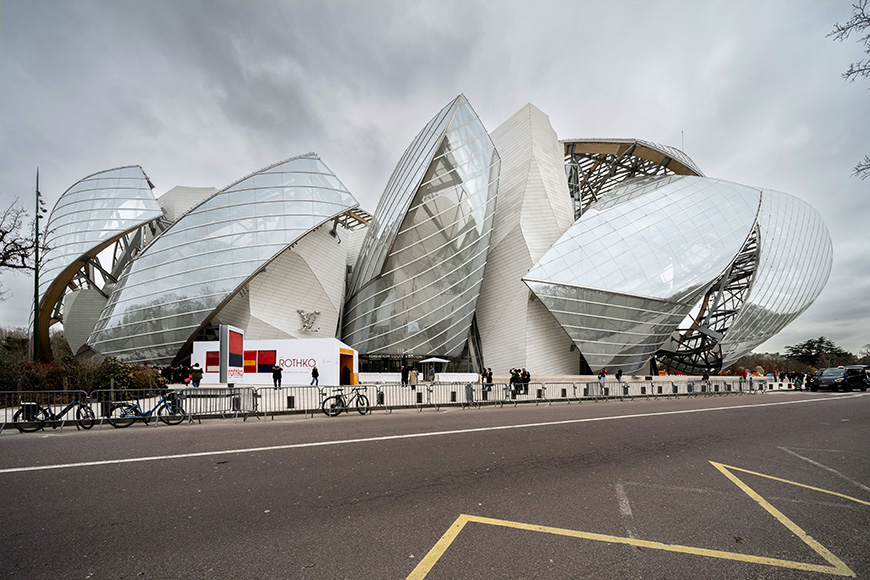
point(625, 510)
point(407, 436)
point(826, 468)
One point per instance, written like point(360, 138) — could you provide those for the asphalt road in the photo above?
point(764, 486)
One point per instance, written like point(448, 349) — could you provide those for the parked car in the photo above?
point(839, 379)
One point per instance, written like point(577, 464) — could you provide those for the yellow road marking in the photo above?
point(850, 498)
point(837, 567)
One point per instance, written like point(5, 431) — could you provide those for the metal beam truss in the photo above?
point(697, 348)
point(592, 175)
point(93, 276)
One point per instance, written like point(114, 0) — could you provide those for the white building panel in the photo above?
point(534, 209)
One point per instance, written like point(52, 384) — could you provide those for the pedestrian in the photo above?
point(195, 374)
point(405, 376)
point(602, 375)
point(488, 379)
point(345, 375)
point(276, 375)
point(315, 377)
point(431, 373)
point(515, 380)
point(526, 378)
point(412, 378)
point(619, 376)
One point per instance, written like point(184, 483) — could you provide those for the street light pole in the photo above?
point(37, 215)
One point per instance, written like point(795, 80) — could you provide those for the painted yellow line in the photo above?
point(837, 567)
point(793, 527)
point(438, 549)
point(844, 496)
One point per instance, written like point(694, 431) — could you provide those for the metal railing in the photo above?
point(263, 402)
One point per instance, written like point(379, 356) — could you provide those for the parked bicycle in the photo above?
point(168, 409)
point(334, 405)
point(32, 416)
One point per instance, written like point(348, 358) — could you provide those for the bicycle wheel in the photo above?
point(30, 422)
point(171, 413)
point(362, 404)
point(333, 406)
point(85, 417)
point(122, 415)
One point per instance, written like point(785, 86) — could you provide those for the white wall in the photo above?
point(296, 356)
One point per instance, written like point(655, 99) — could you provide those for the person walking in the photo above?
point(619, 376)
point(602, 375)
point(315, 377)
point(431, 373)
point(412, 379)
point(276, 375)
point(405, 376)
point(195, 374)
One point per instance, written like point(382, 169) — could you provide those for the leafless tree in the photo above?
point(16, 247)
point(859, 24)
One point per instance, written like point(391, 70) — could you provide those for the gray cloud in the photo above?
point(204, 93)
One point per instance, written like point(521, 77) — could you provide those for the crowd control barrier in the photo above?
point(265, 402)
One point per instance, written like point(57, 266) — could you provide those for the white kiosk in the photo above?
point(336, 362)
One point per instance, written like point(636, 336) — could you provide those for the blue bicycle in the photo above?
point(168, 408)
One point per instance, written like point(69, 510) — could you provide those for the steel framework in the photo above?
point(697, 348)
point(595, 167)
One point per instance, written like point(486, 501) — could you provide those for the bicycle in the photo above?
point(334, 405)
point(32, 416)
point(169, 411)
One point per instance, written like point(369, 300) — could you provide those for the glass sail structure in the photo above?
point(179, 281)
point(417, 281)
point(796, 256)
point(625, 275)
point(90, 216)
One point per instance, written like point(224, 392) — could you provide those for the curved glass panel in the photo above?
point(794, 265)
point(176, 283)
point(623, 277)
point(662, 238)
point(421, 265)
point(90, 215)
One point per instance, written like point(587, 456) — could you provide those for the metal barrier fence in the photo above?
point(36, 410)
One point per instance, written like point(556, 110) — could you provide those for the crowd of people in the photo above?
point(182, 375)
point(519, 381)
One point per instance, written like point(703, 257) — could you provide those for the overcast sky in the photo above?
point(202, 94)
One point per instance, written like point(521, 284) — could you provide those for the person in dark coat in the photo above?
point(404, 376)
point(276, 375)
point(315, 376)
point(195, 374)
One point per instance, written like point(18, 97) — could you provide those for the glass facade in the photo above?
point(795, 261)
point(418, 277)
point(89, 216)
point(661, 260)
point(176, 284)
point(624, 276)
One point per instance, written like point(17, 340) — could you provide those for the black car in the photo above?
point(839, 379)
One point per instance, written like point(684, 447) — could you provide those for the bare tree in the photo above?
point(16, 247)
point(859, 23)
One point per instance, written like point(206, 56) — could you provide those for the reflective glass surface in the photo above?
point(794, 265)
point(662, 238)
point(209, 253)
point(421, 265)
point(92, 214)
point(624, 276)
